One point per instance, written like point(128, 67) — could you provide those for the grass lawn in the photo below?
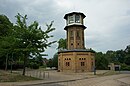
point(6, 76)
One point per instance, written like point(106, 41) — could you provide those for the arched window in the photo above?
point(71, 33)
point(71, 19)
point(78, 35)
point(77, 18)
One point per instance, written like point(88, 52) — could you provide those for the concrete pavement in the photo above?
point(76, 79)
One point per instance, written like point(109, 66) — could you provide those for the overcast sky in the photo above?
point(107, 21)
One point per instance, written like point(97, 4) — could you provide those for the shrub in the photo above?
point(17, 65)
point(34, 65)
point(125, 67)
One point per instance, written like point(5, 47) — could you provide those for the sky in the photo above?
point(107, 21)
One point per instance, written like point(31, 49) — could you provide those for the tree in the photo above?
point(120, 56)
point(127, 56)
point(5, 26)
point(32, 39)
point(7, 39)
point(111, 56)
point(101, 61)
point(50, 63)
point(55, 60)
point(62, 44)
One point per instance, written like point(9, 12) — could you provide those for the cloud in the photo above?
point(107, 21)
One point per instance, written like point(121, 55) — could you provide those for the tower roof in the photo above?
point(65, 17)
point(76, 26)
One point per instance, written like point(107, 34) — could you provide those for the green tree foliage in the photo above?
point(55, 60)
point(101, 61)
point(7, 40)
point(32, 39)
point(50, 63)
point(21, 40)
point(110, 55)
point(120, 54)
point(62, 44)
point(127, 56)
point(5, 25)
point(121, 57)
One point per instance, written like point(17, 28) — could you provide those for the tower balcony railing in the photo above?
point(75, 50)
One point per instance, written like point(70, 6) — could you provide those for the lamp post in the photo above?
point(94, 70)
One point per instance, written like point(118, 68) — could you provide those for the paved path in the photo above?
point(114, 80)
point(76, 79)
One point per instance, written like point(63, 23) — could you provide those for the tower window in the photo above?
point(71, 33)
point(67, 63)
point(77, 18)
point(78, 35)
point(82, 63)
point(71, 19)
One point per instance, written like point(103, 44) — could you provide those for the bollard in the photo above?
point(94, 70)
point(26, 73)
point(40, 74)
point(30, 74)
point(48, 74)
point(36, 74)
point(43, 74)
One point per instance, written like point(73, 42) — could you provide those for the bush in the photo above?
point(17, 65)
point(43, 66)
point(34, 65)
point(125, 67)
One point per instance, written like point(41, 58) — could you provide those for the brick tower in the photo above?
point(76, 58)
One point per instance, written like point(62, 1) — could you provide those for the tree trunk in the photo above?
point(24, 65)
point(6, 63)
point(11, 62)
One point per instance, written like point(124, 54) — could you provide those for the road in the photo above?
point(113, 80)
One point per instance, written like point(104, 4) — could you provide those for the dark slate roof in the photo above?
point(75, 25)
point(65, 17)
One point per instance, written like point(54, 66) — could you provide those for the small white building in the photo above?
point(114, 67)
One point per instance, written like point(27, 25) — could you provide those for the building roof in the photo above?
point(74, 25)
point(76, 50)
point(65, 17)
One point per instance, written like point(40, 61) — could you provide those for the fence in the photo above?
point(38, 74)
